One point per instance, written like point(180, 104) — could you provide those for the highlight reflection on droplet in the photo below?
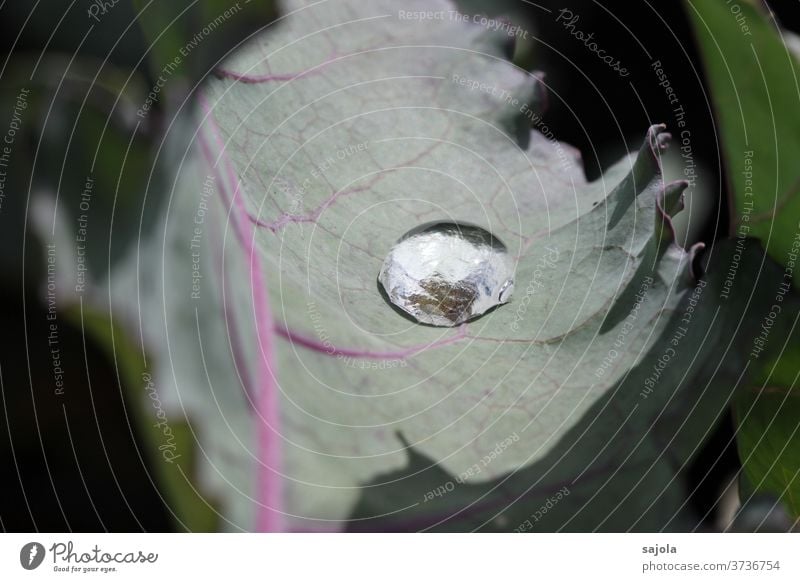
point(445, 273)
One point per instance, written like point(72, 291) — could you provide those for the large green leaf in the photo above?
point(766, 409)
point(769, 440)
point(320, 145)
point(753, 77)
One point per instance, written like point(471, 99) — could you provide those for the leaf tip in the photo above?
point(669, 201)
point(658, 139)
point(695, 269)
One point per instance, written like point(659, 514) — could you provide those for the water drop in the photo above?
point(446, 273)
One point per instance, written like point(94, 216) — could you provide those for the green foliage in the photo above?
point(753, 77)
point(187, 41)
point(169, 442)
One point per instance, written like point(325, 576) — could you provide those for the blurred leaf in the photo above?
point(80, 128)
point(186, 42)
point(766, 408)
point(19, 106)
point(99, 176)
point(753, 78)
point(169, 441)
point(769, 438)
point(66, 27)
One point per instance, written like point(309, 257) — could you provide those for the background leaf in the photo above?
point(186, 42)
point(753, 76)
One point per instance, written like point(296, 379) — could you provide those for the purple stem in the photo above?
point(270, 486)
point(272, 77)
point(331, 350)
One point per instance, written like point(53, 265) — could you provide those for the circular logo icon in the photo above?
point(31, 555)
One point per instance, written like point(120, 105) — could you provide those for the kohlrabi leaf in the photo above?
point(317, 405)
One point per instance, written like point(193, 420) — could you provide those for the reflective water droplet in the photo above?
point(445, 273)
